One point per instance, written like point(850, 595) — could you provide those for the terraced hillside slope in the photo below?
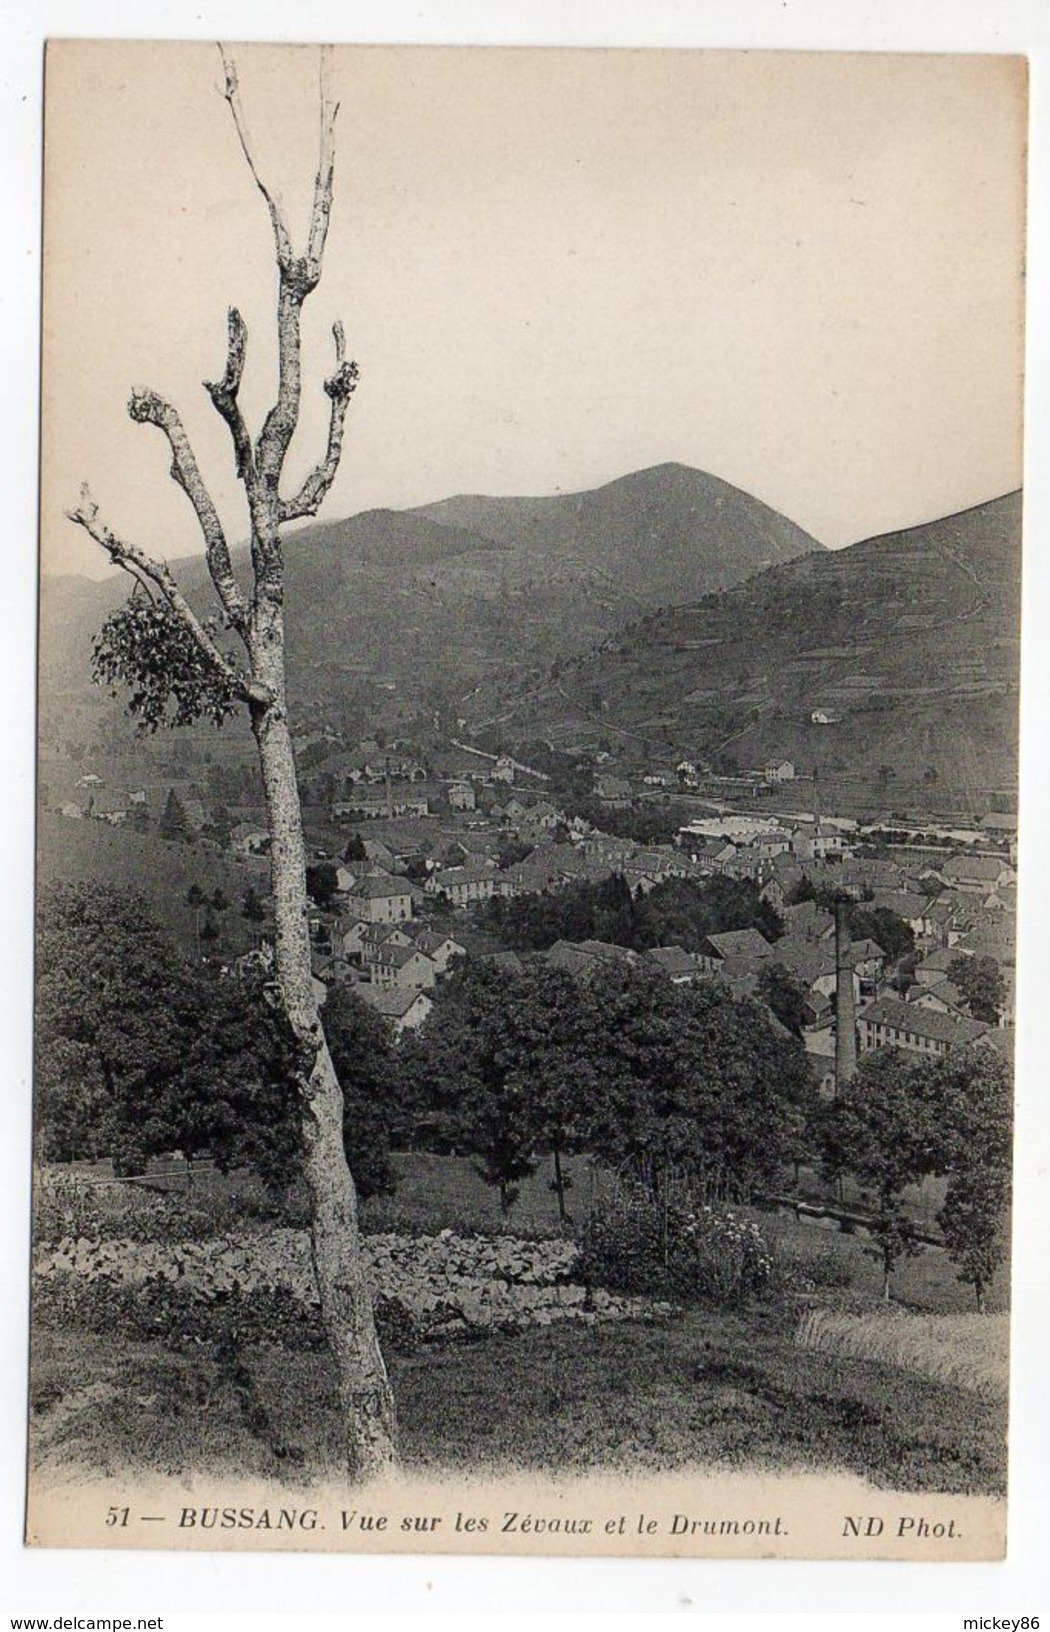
point(905, 647)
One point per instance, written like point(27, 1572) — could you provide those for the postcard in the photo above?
point(527, 800)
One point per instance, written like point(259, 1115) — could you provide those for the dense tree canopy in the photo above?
point(366, 1063)
point(982, 983)
point(881, 1129)
point(627, 1066)
point(677, 911)
point(322, 882)
point(972, 1100)
point(692, 1078)
point(141, 1052)
point(902, 1119)
point(785, 995)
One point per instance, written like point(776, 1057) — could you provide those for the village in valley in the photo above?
point(408, 854)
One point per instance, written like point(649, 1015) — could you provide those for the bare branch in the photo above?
point(231, 91)
point(223, 393)
point(150, 409)
point(340, 387)
point(137, 562)
point(299, 274)
point(322, 206)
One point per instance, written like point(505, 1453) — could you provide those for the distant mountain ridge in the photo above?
point(440, 598)
point(667, 528)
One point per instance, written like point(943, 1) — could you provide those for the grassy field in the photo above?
point(446, 1192)
point(706, 1390)
point(820, 1375)
point(971, 1351)
point(159, 869)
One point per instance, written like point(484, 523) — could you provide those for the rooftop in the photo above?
point(941, 1028)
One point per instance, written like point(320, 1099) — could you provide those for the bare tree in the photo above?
point(178, 668)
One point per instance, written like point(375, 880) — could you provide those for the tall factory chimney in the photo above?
point(845, 1016)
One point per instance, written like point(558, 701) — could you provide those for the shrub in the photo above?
point(184, 1318)
point(156, 1310)
point(809, 1266)
point(697, 1254)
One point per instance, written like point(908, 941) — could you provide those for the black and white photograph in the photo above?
point(527, 800)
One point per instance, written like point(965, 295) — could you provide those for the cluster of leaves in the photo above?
point(982, 984)
point(627, 1066)
point(882, 925)
point(146, 650)
point(641, 1243)
point(680, 912)
point(902, 1120)
point(645, 824)
point(177, 1315)
point(322, 883)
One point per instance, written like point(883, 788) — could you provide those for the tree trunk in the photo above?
point(559, 1186)
point(345, 1294)
point(365, 1394)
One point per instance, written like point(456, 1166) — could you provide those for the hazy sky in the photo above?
point(802, 273)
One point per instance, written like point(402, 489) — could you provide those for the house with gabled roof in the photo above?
point(813, 965)
point(403, 966)
point(996, 938)
point(379, 855)
point(871, 873)
point(608, 847)
point(944, 998)
point(890, 1023)
point(373, 937)
point(678, 965)
point(913, 908)
point(934, 968)
point(109, 805)
point(464, 885)
point(977, 874)
point(734, 952)
point(806, 921)
point(442, 949)
point(405, 1007)
point(461, 796)
point(378, 897)
point(583, 958)
point(999, 821)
